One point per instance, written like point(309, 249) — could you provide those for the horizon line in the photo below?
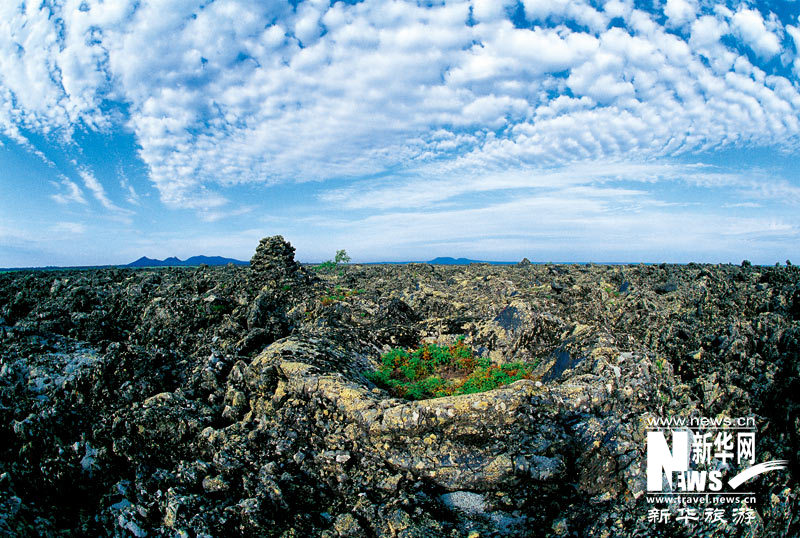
point(242, 263)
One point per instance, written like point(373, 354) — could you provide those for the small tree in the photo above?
point(330, 265)
point(341, 257)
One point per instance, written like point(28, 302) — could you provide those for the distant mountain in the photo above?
point(446, 260)
point(144, 261)
point(213, 260)
point(172, 261)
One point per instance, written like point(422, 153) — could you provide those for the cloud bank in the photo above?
point(230, 92)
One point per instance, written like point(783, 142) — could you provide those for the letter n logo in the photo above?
point(661, 460)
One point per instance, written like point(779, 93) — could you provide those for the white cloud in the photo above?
point(707, 30)
point(750, 25)
point(131, 195)
point(744, 204)
point(97, 190)
point(436, 191)
point(53, 77)
point(216, 215)
point(489, 10)
point(618, 8)
point(70, 228)
point(794, 32)
point(69, 191)
point(680, 12)
point(579, 11)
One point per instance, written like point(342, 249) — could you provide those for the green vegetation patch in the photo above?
point(338, 294)
point(434, 370)
point(330, 265)
point(325, 267)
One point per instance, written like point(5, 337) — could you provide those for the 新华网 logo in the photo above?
point(701, 471)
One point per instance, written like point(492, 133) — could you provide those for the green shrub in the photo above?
point(434, 370)
point(341, 257)
point(325, 267)
point(329, 266)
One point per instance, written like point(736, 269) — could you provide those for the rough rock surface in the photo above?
point(232, 401)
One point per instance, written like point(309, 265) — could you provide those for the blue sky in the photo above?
point(560, 130)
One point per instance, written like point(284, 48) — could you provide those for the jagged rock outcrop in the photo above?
point(274, 259)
